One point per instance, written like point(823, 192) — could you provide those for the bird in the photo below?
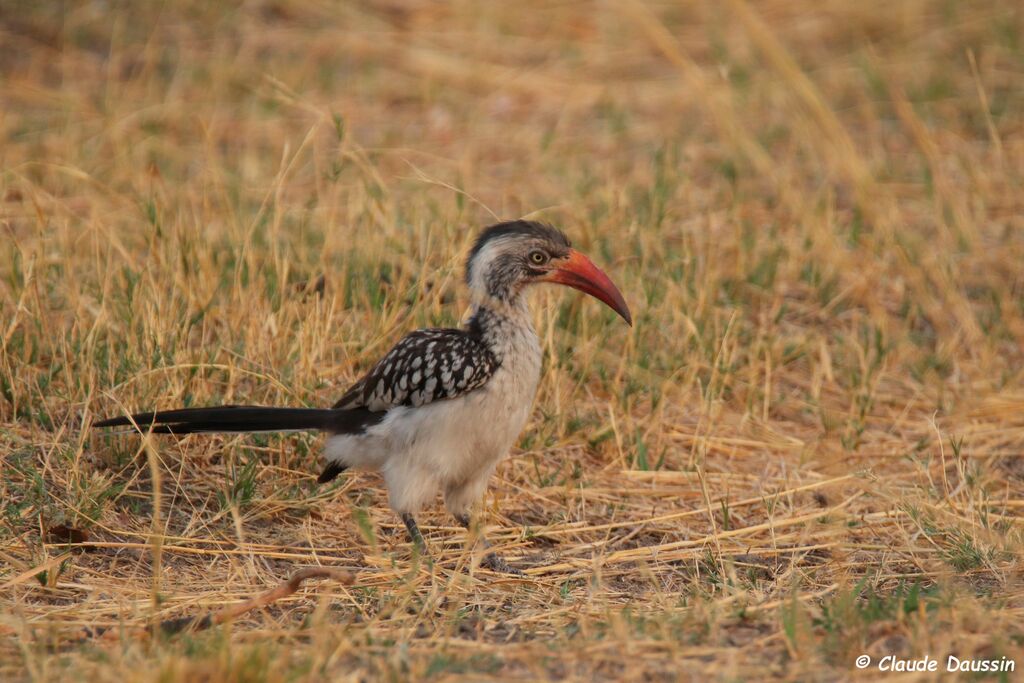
point(443, 406)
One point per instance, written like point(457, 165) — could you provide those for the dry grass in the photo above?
point(810, 446)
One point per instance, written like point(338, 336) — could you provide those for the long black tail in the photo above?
point(248, 419)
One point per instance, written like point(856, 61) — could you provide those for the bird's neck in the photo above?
point(505, 326)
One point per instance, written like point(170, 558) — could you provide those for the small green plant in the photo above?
point(240, 485)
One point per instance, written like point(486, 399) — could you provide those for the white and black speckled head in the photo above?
point(507, 257)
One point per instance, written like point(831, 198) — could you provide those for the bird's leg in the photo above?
point(414, 533)
point(491, 561)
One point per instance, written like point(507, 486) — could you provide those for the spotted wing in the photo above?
point(425, 366)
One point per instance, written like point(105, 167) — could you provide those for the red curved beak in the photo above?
point(580, 273)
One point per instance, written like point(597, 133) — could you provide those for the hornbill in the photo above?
point(443, 406)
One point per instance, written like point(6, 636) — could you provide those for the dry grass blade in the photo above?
point(283, 590)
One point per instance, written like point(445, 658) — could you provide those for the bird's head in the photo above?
point(509, 256)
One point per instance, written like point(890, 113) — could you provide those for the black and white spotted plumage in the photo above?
point(425, 366)
point(438, 364)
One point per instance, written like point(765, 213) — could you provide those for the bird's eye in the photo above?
point(538, 257)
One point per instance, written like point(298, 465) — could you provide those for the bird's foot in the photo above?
point(496, 563)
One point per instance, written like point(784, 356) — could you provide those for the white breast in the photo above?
point(452, 444)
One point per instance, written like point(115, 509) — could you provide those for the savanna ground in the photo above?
point(809, 447)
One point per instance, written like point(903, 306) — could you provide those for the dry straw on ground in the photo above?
point(810, 446)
